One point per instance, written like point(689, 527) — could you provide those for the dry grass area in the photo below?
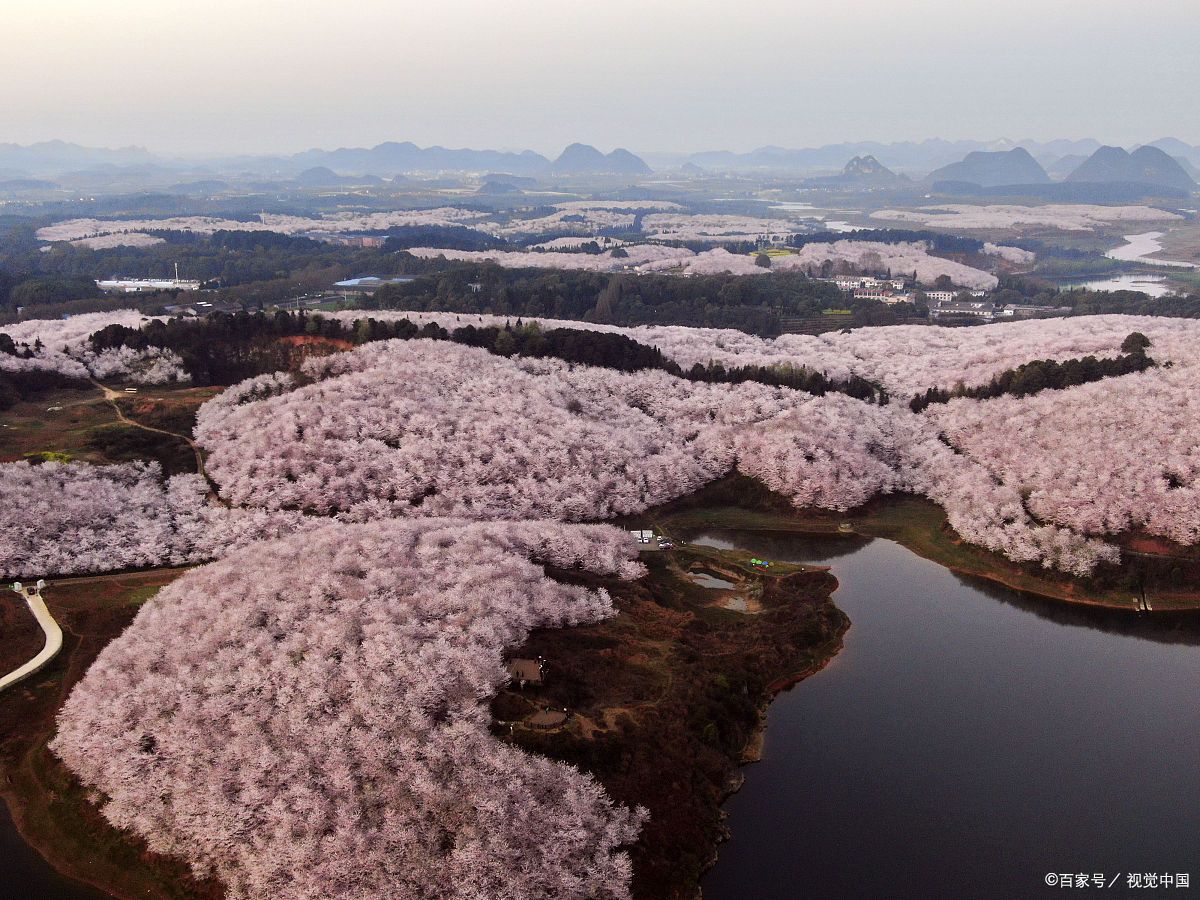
point(59, 421)
point(170, 408)
point(79, 425)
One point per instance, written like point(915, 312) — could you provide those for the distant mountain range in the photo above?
point(55, 157)
point(393, 158)
point(398, 158)
point(1110, 174)
point(1167, 162)
point(321, 168)
point(583, 159)
point(915, 157)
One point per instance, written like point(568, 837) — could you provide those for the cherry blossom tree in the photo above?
point(307, 718)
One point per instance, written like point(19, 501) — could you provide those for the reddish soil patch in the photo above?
point(333, 345)
point(1157, 546)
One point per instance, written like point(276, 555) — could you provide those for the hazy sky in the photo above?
point(651, 75)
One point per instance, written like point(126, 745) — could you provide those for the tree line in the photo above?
point(1047, 374)
point(224, 348)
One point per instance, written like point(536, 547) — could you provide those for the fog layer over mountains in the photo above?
point(985, 163)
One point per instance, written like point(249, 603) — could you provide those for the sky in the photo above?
point(267, 76)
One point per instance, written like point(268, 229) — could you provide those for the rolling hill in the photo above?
point(993, 168)
point(1145, 165)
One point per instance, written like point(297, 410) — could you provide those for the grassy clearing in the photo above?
point(60, 422)
point(79, 425)
point(171, 408)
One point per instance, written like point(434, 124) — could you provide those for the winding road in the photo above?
point(54, 638)
point(113, 396)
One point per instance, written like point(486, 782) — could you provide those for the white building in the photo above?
point(951, 296)
point(884, 296)
point(1022, 311)
point(962, 309)
point(866, 283)
point(145, 285)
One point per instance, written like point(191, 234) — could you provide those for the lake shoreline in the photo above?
point(752, 752)
point(920, 525)
point(49, 811)
point(660, 605)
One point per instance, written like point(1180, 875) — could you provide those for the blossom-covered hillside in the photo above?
point(338, 675)
point(901, 258)
point(61, 346)
point(432, 428)
point(420, 428)
point(906, 359)
point(307, 718)
point(72, 518)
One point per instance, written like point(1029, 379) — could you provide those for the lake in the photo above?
point(27, 875)
point(1150, 285)
point(967, 741)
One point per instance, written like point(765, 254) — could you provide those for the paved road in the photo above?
point(54, 639)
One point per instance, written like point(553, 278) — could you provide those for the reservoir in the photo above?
point(26, 874)
point(966, 742)
point(1150, 285)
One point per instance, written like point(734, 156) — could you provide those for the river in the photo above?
point(1138, 247)
point(966, 742)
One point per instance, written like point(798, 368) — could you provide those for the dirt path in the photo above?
point(113, 396)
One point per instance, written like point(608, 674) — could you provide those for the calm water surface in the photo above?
point(967, 741)
point(1150, 285)
point(25, 875)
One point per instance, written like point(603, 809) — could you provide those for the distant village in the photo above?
point(943, 304)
